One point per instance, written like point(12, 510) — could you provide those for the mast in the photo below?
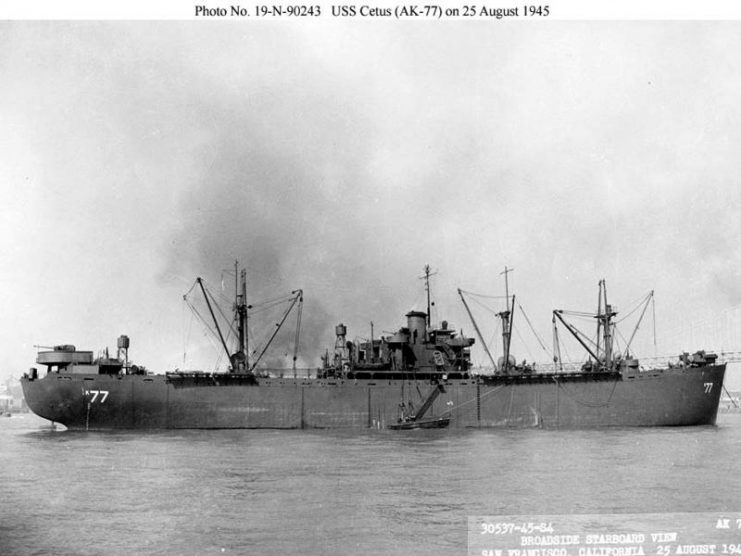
point(605, 312)
point(427, 289)
point(246, 333)
point(599, 312)
point(506, 321)
point(606, 320)
point(241, 310)
point(298, 331)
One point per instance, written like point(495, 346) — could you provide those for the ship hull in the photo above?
point(667, 397)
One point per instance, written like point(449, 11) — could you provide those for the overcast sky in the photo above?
point(342, 157)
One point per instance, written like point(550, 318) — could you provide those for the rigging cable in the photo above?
point(205, 324)
point(212, 333)
point(296, 294)
point(270, 303)
point(524, 343)
point(639, 303)
point(484, 296)
point(582, 314)
point(496, 334)
point(485, 307)
point(537, 337)
point(584, 336)
point(228, 320)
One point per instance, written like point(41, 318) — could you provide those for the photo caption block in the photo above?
point(665, 534)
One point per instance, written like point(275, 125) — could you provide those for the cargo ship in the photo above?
point(419, 377)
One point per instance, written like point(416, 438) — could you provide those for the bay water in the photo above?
point(338, 492)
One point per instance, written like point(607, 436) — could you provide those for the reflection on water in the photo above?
point(338, 492)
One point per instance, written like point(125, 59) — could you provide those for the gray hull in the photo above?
point(668, 397)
